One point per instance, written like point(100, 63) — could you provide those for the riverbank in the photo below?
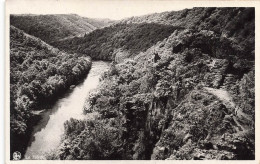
point(49, 130)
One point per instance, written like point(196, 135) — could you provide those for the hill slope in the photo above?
point(108, 42)
point(38, 74)
point(189, 96)
point(50, 28)
point(137, 34)
point(237, 22)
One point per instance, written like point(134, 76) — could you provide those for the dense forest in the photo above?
point(137, 34)
point(189, 96)
point(231, 22)
point(181, 85)
point(107, 42)
point(51, 28)
point(39, 73)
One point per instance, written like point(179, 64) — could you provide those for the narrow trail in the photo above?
point(227, 100)
point(238, 124)
point(223, 95)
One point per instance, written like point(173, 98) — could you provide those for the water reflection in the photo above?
point(48, 132)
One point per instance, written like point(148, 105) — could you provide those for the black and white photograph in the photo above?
point(130, 80)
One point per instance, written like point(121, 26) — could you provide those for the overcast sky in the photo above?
point(94, 9)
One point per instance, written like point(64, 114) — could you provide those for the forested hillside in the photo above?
point(39, 73)
point(50, 28)
point(137, 34)
point(231, 22)
point(107, 42)
point(188, 96)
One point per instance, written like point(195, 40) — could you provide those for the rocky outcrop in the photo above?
point(183, 98)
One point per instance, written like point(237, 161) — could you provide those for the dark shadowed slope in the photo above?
point(109, 42)
point(226, 21)
point(51, 28)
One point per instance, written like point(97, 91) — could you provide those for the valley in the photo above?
point(179, 86)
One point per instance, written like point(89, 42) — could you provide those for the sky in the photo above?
point(112, 9)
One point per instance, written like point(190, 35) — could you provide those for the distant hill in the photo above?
point(51, 28)
point(236, 24)
point(107, 42)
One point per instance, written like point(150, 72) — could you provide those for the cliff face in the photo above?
point(190, 96)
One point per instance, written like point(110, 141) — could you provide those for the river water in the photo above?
point(48, 132)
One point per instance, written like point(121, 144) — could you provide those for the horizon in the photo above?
point(113, 10)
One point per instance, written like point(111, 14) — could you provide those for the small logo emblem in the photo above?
point(17, 155)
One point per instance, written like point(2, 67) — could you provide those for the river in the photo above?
point(48, 132)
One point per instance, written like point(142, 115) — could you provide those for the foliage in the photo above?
point(160, 107)
point(50, 28)
point(90, 140)
point(39, 73)
point(102, 43)
point(155, 104)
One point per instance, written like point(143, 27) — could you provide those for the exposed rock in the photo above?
point(186, 103)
